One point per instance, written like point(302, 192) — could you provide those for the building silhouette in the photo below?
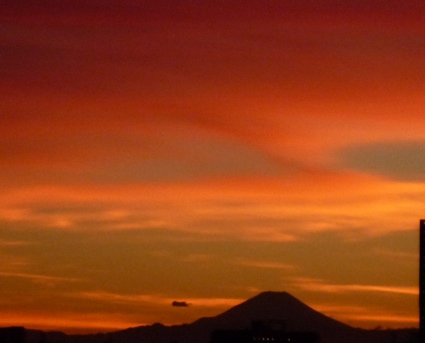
point(422, 278)
point(264, 332)
point(14, 334)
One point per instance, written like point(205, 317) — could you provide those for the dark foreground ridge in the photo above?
point(269, 307)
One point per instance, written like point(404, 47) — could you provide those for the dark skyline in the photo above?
point(275, 317)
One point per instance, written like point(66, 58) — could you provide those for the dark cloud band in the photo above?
point(403, 161)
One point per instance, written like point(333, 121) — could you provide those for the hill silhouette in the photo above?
point(266, 306)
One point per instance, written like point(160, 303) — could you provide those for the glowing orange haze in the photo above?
point(207, 151)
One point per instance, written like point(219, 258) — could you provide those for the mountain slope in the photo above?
point(282, 306)
point(296, 316)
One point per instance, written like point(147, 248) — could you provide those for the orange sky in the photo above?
point(205, 151)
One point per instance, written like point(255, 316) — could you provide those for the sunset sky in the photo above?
point(204, 151)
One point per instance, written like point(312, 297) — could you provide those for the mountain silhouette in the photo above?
point(283, 307)
point(267, 306)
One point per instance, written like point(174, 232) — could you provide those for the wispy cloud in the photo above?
point(361, 315)
point(14, 214)
point(39, 278)
point(117, 298)
point(70, 216)
point(380, 318)
point(263, 264)
point(10, 243)
point(317, 285)
point(154, 299)
point(397, 254)
point(197, 258)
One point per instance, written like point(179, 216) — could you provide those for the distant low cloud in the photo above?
point(180, 304)
point(404, 161)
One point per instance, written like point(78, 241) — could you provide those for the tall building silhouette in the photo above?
point(422, 277)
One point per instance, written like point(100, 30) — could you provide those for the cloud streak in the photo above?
point(154, 299)
point(361, 316)
point(264, 264)
point(315, 285)
point(39, 278)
